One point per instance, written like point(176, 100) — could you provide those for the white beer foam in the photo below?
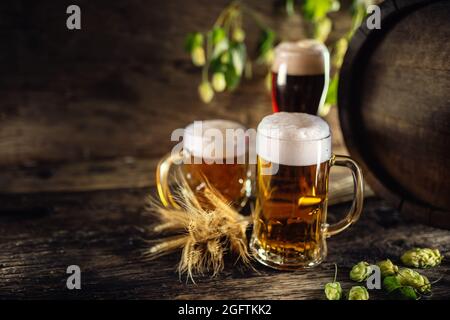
point(200, 139)
point(305, 57)
point(294, 139)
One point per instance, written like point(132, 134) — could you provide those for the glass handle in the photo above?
point(162, 179)
point(357, 205)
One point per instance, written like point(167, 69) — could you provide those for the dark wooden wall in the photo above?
point(94, 109)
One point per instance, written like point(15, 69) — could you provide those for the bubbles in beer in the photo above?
point(215, 150)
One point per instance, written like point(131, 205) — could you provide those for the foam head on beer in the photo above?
point(304, 57)
point(216, 150)
point(294, 139)
point(215, 140)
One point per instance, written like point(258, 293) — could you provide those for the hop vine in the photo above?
point(222, 54)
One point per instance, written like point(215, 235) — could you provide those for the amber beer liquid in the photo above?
point(300, 76)
point(294, 151)
point(294, 206)
point(230, 179)
point(207, 159)
point(214, 153)
point(290, 220)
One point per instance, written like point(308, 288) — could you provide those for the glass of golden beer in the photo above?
point(293, 164)
point(213, 152)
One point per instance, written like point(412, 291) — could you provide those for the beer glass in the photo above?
point(300, 76)
point(293, 164)
point(214, 152)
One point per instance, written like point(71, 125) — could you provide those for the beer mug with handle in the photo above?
point(294, 160)
point(213, 150)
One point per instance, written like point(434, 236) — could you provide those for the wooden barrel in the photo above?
point(394, 107)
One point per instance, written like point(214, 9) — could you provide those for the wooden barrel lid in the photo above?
point(394, 107)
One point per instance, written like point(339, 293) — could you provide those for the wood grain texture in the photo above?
point(116, 88)
point(72, 100)
point(131, 172)
point(124, 172)
point(395, 108)
point(93, 110)
point(105, 232)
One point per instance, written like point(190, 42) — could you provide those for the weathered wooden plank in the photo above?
point(115, 89)
point(125, 172)
point(129, 172)
point(105, 232)
point(121, 173)
point(118, 87)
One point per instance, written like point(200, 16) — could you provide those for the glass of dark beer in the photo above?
point(300, 76)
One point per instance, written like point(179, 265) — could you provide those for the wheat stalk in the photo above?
point(204, 235)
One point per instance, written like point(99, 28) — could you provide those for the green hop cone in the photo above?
point(333, 291)
point(225, 57)
point(218, 81)
point(238, 35)
point(358, 293)
point(360, 271)
point(205, 92)
point(268, 57)
point(422, 258)
point(198, 56)
point(409, 277)
point(387, 268)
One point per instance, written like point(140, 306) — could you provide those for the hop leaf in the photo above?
point(205, 92)
point(193, 40)
point(407, 293)
point(218, 81)
point(387, 268)
point(358, 293)
point(360, 271)
point(220, 42)
point(391, 283)
point(317, 9)
point(238, 57)
point(218, 35)
point(422, 258)
point(333, 291)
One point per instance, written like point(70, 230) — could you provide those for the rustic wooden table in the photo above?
point(90, 110)
point(105, 232)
